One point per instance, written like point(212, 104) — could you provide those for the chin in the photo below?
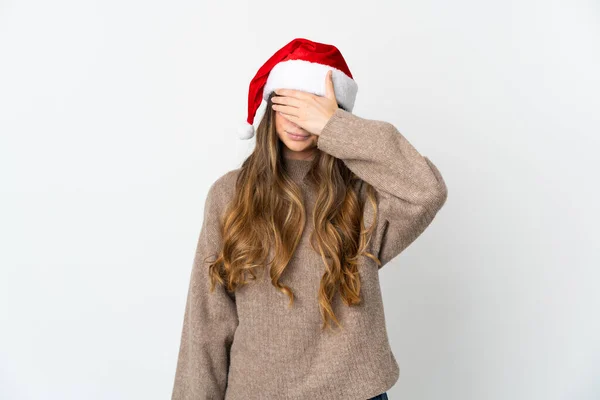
point(299, 146)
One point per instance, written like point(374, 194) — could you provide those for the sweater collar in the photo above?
point(297, 169)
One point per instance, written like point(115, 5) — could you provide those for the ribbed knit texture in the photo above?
point(252, 345)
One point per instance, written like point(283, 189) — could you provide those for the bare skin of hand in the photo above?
point(307, 110)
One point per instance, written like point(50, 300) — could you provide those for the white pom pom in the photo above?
point(246, 131)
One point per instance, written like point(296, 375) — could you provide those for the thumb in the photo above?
point(329, 92)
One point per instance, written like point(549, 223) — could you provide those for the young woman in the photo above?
point(284, 299)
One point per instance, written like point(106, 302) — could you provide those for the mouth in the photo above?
point(296, 135)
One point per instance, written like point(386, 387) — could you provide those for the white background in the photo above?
point(116, 116)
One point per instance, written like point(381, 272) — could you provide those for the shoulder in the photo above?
point(221, 191)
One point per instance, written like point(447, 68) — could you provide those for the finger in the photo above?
point(298, 94)
point(288, 110)
point(291, 118)
point(288, 101)
point(329, 91)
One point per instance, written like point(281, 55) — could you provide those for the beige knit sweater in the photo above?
point(252, 345)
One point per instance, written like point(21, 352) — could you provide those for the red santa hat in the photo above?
point(302, 65)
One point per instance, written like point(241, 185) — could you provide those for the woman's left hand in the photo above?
point(307, 110)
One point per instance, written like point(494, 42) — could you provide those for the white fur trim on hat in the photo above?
point(310, 77)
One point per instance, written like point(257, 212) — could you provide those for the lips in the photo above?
point(296, 134)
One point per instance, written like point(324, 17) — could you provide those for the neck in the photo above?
point(308, 154)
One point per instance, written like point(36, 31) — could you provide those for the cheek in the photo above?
point(277, 120)
point(280, 122)
point(279, 125)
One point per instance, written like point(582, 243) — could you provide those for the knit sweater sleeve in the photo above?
point(210, 319)
point(409, 187)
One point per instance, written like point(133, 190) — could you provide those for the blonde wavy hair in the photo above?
point(267, 212)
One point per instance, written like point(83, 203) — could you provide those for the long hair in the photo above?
point(267, 215)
